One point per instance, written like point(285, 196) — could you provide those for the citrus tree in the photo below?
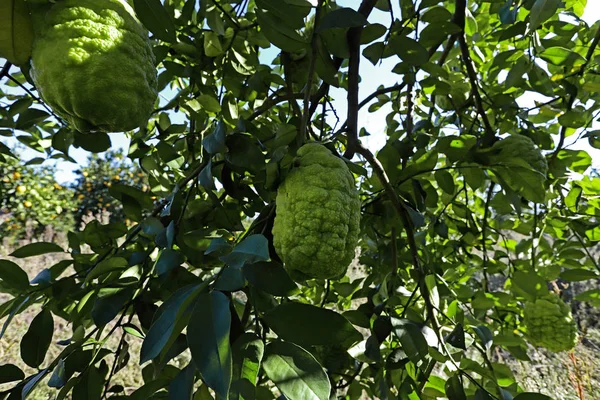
point(31, 200)
point(462, 220)
point(92, 187)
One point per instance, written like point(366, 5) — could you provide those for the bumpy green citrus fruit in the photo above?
point(519, 147)
point(317, 215)
point(549, 323)
point(92, 62)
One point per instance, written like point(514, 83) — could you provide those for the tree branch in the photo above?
point(571, 101)
point(353, 79)
point(365, 9)
point(311, 72)
point(272, 102)
point(5, 69)
point(287, 73)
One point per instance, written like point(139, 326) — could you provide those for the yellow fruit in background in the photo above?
point(27, 204)
point(16, 175)
point(21, 189)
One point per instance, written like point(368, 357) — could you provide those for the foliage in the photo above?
point(453, 245)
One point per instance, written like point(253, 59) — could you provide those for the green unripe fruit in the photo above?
point(549, 323)
point(93, 64)
point(317, 216)
point(521, 147)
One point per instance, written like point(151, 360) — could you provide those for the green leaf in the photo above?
point(562, 56)
point(208, 339)
point(248, 351)
point(30, 117)
point(306, 324)
point(252, 249)
point(215, 142)
point(106, 308)
point(101, 141)
point(167, 260)
point(541, 11)
point(409, 50)
point(578, 274)
point(106, 266)
point(454, 388)
point(528, 285)
point(32, 382)
point(154, 17)
point(36, 249)
point(411, 338)
point(164, 322)
point(58, 377)
point(10, 373)
point(12, 276)
point(209, 103)
point(182, 386)
point(590, 296)
point(295, 372)
point(445, 181)
point(342, 18)
point(270, 277)
point(37, 339)
point(280, 34)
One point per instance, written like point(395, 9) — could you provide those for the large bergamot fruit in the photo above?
point(317, 216)
point(519, 147)
point(93, 64)
point(549, 323)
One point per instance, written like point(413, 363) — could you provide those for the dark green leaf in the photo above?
point(270, 277)
point(309, 325)
point(342, 18)
point(252, 249)
point(37, 339)
point(208, 339)
point(295, 372)
point(158, 21)
point(541, 11)
point(36, 249)
point(106, 308)
point(10, 373)
point(248, 352)
point(182, 386)
point(12, 276)
point(164, 322)
point(412, 339)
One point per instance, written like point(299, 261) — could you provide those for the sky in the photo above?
point(371, 78)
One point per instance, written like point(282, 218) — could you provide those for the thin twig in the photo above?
point(286, 62)
point(311, 72)
point(272, 102)
point(229, 17)
point(36, 98)
point(489, 131)
point(5, 69)
point(484, 226)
